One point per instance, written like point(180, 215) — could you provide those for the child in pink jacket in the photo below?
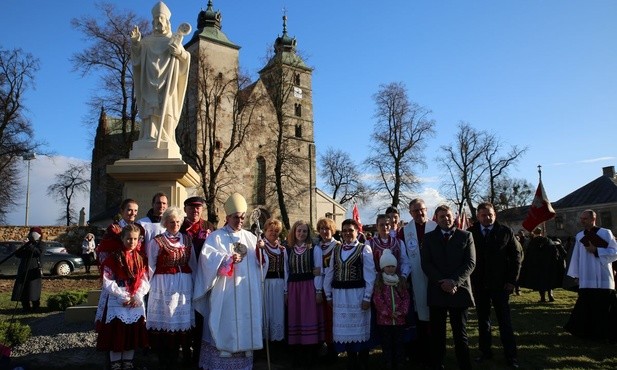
point(391, 299)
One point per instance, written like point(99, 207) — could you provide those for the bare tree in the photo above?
point(497, 163)
point(463, 160)
point(475, 163)
point(17, 70)
point(399, 137)
point(69, 183)
point(512, 193)
point(342, 177)
point(225, 111)
point(109, 52)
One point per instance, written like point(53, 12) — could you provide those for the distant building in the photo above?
point(599, 195)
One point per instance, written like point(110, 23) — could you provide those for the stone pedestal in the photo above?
point(148, 149)
point(145, 177)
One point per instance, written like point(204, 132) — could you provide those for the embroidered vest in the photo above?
point(300, 266)
point(276, 269)
point(327, 256)
point(172, 260)
point(348, 274)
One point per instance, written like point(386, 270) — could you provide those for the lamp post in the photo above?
point(28, 157)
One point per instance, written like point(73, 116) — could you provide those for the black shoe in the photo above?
point(513, 363)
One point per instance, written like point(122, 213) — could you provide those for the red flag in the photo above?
point(461, 221)
point(539, 211)
point(355, 214)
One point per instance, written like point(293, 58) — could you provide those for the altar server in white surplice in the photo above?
point(228, 293)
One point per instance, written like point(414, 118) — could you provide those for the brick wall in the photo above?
point(70, 236)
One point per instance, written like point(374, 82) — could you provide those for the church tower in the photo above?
point(272, 116)
point(288, 81)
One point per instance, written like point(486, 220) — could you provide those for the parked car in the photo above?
point(55, 259)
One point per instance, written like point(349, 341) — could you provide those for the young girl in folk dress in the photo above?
point(327, 228)
point(304, 294)
point(384, 240)
point(274, 285)
point(120, 317)
point(391, 300)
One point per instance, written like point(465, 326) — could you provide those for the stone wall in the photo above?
point(70, 236)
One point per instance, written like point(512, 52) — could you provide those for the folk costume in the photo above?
point(348, 282)
point(228, 295)
point(198, 231)
point(305, 316)
point(327, 247)
point(275, 258)
point(592, 316)
point(111, 240)
point(379, 245)
point(170, 308)
point(391, 300)
point(121, 328)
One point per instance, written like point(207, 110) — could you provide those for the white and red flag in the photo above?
point(355, 214)
point(539, 211)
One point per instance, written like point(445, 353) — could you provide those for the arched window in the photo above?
point(298, 110)
point(298, 130)
point(260, 181)
point(297, 79)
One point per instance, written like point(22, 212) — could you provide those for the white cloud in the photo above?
point(43, 210)
point(594, 160)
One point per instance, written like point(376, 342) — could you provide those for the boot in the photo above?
point(115, 365)
point(127, 365)
point(550, 296)
point(542, 296)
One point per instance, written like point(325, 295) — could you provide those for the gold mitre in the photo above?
point(161, 9)
point(234, 204)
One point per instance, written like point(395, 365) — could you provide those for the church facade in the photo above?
point(251, 137)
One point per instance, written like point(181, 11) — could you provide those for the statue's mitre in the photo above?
point(161, 9)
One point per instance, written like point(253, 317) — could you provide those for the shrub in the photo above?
point(13, 333)
point(60, 301)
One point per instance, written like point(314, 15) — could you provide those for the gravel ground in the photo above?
point(55, 345)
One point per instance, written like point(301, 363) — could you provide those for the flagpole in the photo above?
point(540, 181)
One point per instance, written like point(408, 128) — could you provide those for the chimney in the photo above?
point(609, 171)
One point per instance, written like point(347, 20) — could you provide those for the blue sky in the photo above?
point(536, 73)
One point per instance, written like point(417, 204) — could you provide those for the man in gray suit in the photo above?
point(448, 258)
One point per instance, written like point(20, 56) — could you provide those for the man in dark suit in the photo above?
point(448, 259)
point(499, 257)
